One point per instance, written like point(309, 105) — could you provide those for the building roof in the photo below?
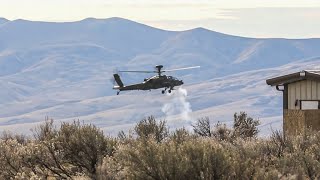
point(294, 77)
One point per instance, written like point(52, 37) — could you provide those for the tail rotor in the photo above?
point(112, 80)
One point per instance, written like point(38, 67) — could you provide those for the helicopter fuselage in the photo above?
point(155, 82)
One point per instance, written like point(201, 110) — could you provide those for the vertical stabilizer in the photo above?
point(118, 80)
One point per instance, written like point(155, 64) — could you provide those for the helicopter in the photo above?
point(155, 82)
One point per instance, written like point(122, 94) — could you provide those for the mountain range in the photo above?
point(63, 71)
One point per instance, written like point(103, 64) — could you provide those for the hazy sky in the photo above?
point(254, 18)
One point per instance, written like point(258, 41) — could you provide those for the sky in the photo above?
point(249, 18)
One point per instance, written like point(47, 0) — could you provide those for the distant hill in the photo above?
point(3, 20)
point(63, 70)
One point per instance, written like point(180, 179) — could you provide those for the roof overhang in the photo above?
point(294, 77)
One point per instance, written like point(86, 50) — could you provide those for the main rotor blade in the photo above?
point(140, 71)
point(115, 71)
point(181, 69)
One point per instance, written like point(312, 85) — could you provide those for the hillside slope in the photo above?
point(63, 70)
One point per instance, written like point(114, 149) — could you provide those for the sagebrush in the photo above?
point(213, 151)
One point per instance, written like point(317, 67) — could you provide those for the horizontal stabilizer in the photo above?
point(118, 80)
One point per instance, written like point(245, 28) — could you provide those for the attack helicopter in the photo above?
point(155, 82)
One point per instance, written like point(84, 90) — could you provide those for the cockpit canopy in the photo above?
point(171, 77)
point(160, 77)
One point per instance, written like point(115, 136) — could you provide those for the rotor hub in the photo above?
point(159, 67)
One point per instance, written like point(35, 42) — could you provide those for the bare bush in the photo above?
point(243, 127)
point(203, 127)
point(219, 131)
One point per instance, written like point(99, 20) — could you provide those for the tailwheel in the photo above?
point(163, 91)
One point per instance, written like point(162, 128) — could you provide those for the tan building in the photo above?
point(301, 101)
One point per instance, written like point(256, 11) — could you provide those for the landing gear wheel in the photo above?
point(169, 91)
point(163, 91)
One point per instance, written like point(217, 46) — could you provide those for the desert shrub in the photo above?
point(193, 159)
point(202, 127)
point(278, 144)
point(180, 135)
point(20, 138)
point(17, 160)
point(84, 145)
point(50, 155)
point(148, 127)
point(10, 158)
point(303, 156)
point(222, 133)
point(80, 151)
point(246, 160)
point(289, 157)
point(219, 131)
point(122, 135)
point(72, 149)
point(244, 126)
point(45, 131)
point(207, 159)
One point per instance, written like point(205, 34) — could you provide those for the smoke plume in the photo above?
point(179, 106)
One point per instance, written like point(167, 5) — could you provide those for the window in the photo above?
point(305, 104)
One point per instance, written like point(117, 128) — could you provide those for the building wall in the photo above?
point(293, 122)
point(296, 122)
point(302, 90)
point(312, 119)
